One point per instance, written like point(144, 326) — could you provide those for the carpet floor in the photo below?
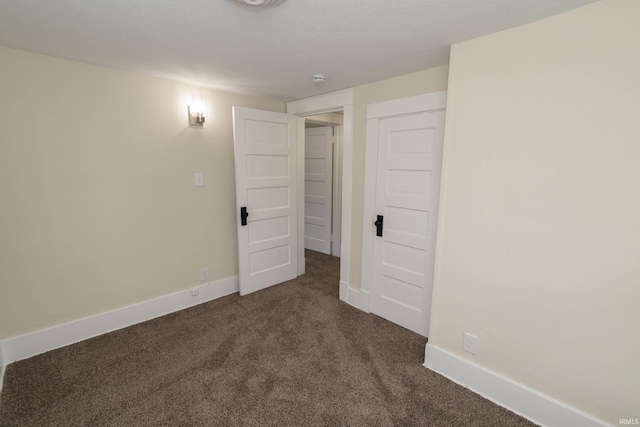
point(290, 355)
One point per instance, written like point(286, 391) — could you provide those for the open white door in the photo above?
point(404, 144)
point(265, 166)
point(318, 190)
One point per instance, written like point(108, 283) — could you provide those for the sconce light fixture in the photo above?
point(196, 116)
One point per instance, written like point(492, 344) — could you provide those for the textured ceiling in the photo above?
point(271, 52)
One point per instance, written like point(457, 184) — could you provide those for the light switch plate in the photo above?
point(199, 179)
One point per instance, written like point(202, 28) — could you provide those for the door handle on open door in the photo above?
point(378, 225)
point(243, 215)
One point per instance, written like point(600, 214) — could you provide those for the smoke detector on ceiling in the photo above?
point(259, 3)
point(318, 78)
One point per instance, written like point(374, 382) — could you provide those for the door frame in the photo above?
point(336, 217)
point(334, 101)
point(375, 112)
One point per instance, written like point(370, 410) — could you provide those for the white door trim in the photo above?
point(336, 221)
point(300, 169)
point(412, 104)
point(341, 100)
point(396, 107)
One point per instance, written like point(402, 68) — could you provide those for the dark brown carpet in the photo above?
point(291, 355)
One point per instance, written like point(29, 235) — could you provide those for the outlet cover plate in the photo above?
point(470, 343)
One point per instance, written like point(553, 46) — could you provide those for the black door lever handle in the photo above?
point(378, 225)
point(243, 215)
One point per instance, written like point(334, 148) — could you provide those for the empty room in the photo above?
point(287, 212)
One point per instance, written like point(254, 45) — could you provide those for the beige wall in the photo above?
point(97, 200)
point(539, 233)
point(431, 80)
point(99, 207)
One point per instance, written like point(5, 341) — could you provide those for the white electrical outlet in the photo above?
point(470, 343)
point(204, 274)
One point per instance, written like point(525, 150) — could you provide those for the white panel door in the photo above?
point(406, 197)
point(318, 178)
point(265, 165)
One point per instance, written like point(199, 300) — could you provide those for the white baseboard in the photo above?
point(2, 365)
point(522, 400)
point(344, 291)
point(357, 298)
point(365, 301)
point(28, 345)
point(353, 297)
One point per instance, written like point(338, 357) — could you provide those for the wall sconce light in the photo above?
point(196, 116)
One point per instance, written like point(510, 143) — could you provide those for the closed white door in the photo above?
point(407, 189)
point(265, 166)
point(318, 178)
